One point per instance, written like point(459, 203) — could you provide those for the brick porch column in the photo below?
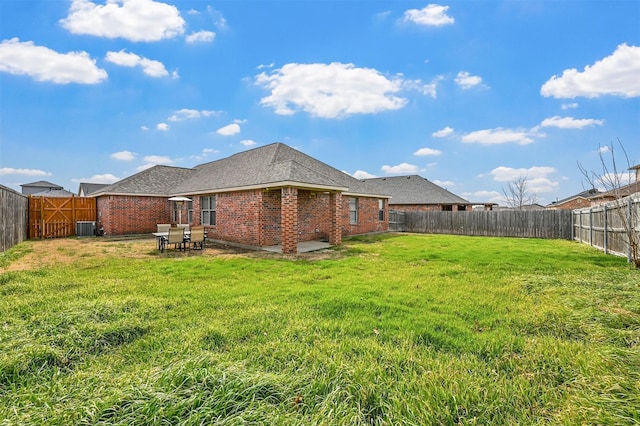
point(335, 210)
point(289, 220)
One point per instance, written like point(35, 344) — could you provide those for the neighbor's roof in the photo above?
point(61, 193)
point(274, 165)
point(414, 189)
point(42, 184)
point(589, 193)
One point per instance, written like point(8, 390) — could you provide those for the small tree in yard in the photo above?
point(620, 184)
point(518, 194)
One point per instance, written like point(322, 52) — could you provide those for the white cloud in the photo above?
point(424, 152)
point(570, 122)
point(466, 80)
point(443, 132)
point(248, 142)
point(189, 114)
point(163, 127)
point(44, 64)
point(615, 75)
point(427, 89)
point(444, 183)
point(158, 159)
point(26, 172)
point(201, 37)
point(329, 90)
point(207, 151)
point(229, 130)
point(134, 20)
point(400, 169)
point(572, 105)
point(604, 149)
point(485, 196)
point(105, 178)
point(149, 67)
point(123, 155)
point(500, 136)
point(537, 177)
point(432, 15)
point(144, 128)
point(175, 75)
point(361, 174)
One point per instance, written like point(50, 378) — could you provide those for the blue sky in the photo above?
point(469, 94)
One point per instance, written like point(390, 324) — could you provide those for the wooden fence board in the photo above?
point(55, 217)
point(511, 223)
point(14, 211)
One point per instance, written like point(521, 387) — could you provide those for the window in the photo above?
point(381, 210)
point(353, 210)
point(208, 207)
point(190, 211)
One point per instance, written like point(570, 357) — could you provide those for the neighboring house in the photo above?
point(40, 186)
point(262, 197)
point(576, 201)
point(86, 189)
point(415, 193)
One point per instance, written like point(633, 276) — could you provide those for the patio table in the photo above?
point(160, 235)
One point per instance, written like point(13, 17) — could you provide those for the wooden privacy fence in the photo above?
point(610, 226)
point(54, 217)
point(507, 223)
point(14, 211)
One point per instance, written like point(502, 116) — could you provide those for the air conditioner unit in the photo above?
point(85, 229)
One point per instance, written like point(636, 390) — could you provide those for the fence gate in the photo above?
point(55, 217)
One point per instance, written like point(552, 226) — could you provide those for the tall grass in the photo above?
point(391, 329)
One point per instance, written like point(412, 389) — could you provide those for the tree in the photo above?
point(518, 194)
point(620, 185)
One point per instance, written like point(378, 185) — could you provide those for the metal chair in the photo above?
point(197, 237)
point(176, 237)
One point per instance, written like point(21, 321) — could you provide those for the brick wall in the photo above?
point(576, 203)
point(367, 216)
point(121, 215)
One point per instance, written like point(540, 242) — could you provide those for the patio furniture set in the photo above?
point(182, 237)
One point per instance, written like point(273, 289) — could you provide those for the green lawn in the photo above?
point(389, 329)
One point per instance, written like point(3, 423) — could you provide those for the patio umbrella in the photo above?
point(179, 201)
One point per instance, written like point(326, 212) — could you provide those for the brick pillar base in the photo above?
point(289, 220)
point(335, 229)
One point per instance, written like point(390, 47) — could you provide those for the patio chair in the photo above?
point(197, 237)
point(176, 237)
point(163, 227)
point(185, 226)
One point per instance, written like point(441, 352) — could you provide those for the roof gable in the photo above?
point(154, 181)
point(42, 184)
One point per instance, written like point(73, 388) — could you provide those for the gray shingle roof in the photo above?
point(414, 189)
point(87, 188)
point(42, 184)
point(157, 180)
point(274, 164)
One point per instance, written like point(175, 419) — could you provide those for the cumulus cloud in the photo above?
point(537, 177)
point(163, 127)
point(105, 178)
point(134, 20)
point(400, 169)
point(25, 58)
point(433, 15)
point(26, 172)
point(361, 174)
point(149, 67)
point(427, 89)
point(571, 105)
point(248, 142)
point(443, 133)
point(201, 37)
point(615, 75)
point(329, 90)
point(466, 80)
point(123, 155)
point(424, 152)
point(500, 135)
point(190, 114)
point(570, 122)
point(229, 130)
point(444, 183)
point(485, 196)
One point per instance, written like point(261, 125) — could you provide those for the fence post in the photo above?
point(591, 227)
point(631, 229)
point(605, 236)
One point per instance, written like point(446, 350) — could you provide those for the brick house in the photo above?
point(261, 197)
point(415, 193)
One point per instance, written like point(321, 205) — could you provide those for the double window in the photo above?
point(208, 208)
